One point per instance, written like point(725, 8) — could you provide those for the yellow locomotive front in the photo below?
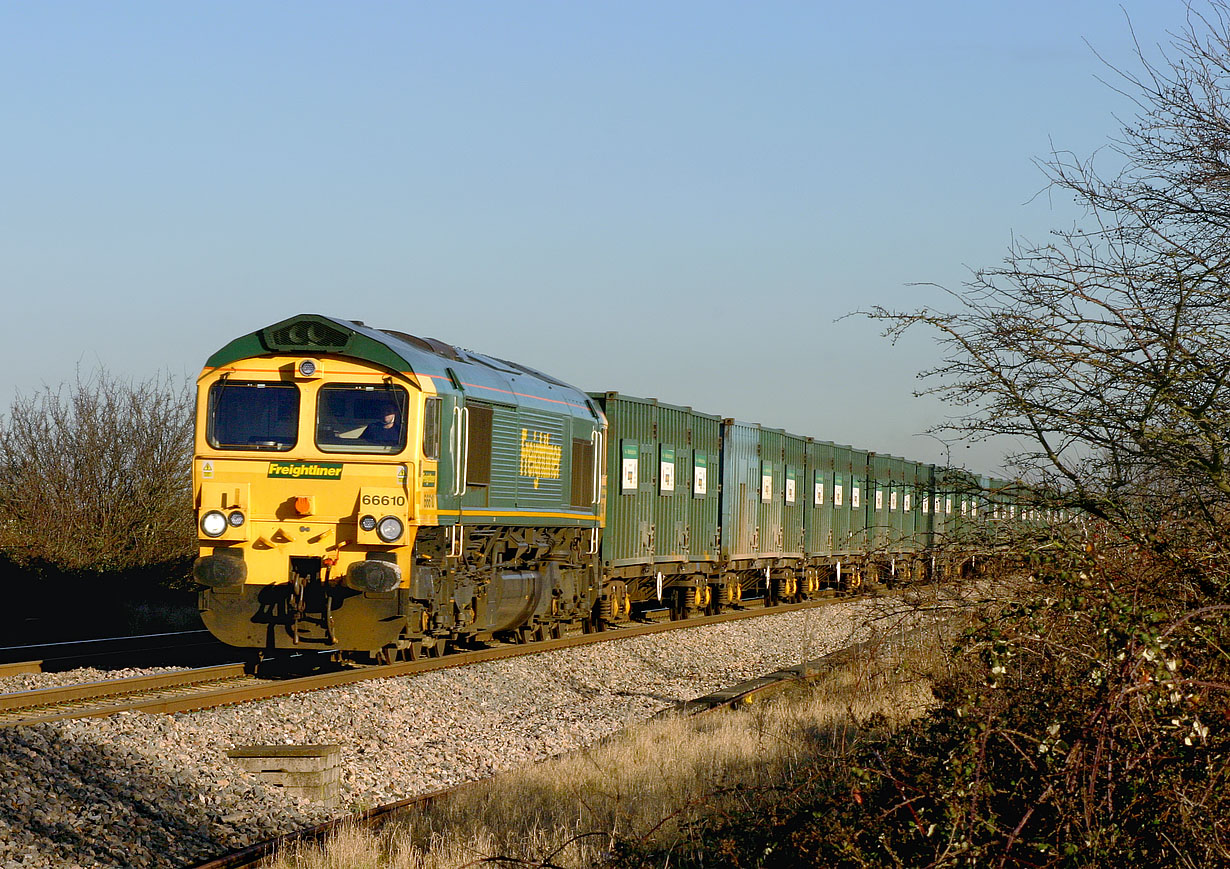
point(312, 476)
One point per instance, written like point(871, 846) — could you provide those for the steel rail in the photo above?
point(48, 698)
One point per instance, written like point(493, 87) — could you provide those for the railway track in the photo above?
point(107, 697)
point(208, 687)
point(733, 697)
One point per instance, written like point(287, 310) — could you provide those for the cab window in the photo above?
point(361, 418)
point(431, 429)
point(253, 416)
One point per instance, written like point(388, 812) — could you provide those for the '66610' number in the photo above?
point(383, 500)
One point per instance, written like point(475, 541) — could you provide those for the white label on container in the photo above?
point(629, 476)
point(666, 470)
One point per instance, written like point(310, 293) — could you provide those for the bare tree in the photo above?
point(1106, 350)
point(94, 476)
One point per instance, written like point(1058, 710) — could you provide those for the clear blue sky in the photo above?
point(674, 199)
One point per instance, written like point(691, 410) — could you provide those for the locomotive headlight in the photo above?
point(390, 529)
point(367, 523)
point(308, 367)
point(236, 519)
point(213, 523)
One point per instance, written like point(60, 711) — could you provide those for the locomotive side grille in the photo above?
point(307, 336)
point(582, 472)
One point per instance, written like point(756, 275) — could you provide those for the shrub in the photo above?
point(1083, 725)
point(95, 476)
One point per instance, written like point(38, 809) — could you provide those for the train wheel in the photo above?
point(779, 590)
point(684, 603)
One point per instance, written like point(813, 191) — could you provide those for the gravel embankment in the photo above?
point(147, 790)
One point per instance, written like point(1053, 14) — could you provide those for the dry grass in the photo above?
point(650, 781)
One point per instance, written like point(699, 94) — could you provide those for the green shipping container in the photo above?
point(762, 481)
point(879, 521)
point(911, 507)
point(924, 529)
point(818, 519)
point(850, 515)
point(662, 489)
point(898, 544)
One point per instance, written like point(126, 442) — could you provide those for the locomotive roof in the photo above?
point(453, 370)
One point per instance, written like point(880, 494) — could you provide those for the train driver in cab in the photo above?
point(386, 430)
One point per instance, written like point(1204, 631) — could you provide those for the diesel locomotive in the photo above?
point(368, 491)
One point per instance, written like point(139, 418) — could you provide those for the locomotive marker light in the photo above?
point(368, 523)
point(236, 519)
point(390, 529)
point(213, 523)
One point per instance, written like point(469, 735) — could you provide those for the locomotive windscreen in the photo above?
point(253, 416)
point(360, 418)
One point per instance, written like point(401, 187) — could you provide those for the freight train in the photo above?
point(374, 493)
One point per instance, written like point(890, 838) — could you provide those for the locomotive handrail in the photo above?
point(461, 454)
point(596, 440)
point(455, 443)
point(465, 449)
